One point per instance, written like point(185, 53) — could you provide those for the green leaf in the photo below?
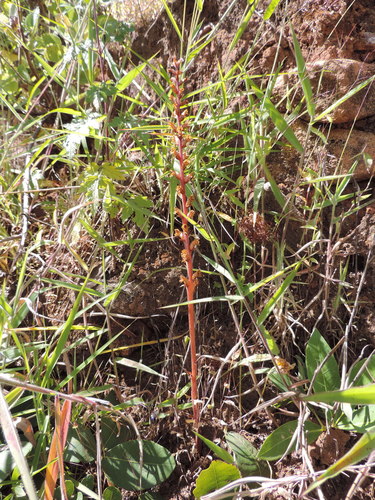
point(122, 465)
point(112, 493)
point(344, 98)
point(81, 445)
point(279, 293)
point(15, 447)
point(7, 463)
point(220, 452)
point(172, 19)
point(366, 374)
point(277, 443)
point(246, 456)
point(303, 76)
point(361, 419)
point(244, 23)
point(328, 378)
point(277, 118)
point(151, 496)
point(355, 395)
point(126, 80)
point(216, 476)
point(113, 433)
point(270, 9)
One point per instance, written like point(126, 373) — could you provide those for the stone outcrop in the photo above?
point(332, 80)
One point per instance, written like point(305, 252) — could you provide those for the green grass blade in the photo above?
point(11, 437)
point(270, 9)
point(277, 295)
point(244, 23)
point(278, 119)
point(364, 395)
point(172, 19)
point(126, 80)
point(64, 333)
point(303, 76)
point(347, 96)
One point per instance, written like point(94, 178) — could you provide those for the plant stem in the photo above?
point(182, 139)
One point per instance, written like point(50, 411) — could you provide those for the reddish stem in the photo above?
point(190, 282)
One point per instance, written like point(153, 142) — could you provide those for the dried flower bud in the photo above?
point(194, 244)
point(184, 280)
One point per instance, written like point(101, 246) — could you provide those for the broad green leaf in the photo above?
point(216, 476)
point(359, 451)
point(112, 493)
point(126, 80)
point(246, 456)
point(114, 433)
point(361, 419)
point(366, 374)
point(303, 76)
point(138, 366)
point(270, 9)
point(328, 378)
point(7, 463)
point(278, 442)
point(150, 495)
point(125, 469)
point(355, 395)
point(80, 445)
point(219, 452)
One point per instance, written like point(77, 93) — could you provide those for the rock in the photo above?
point(344, 147)
point(331, 80)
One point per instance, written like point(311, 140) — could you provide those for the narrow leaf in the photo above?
point(343, 99)
point(355, 395)
point(303, 76)
point(270, 9)
point(172, 19)
point(138, 366)
point(11, 437)
point(220, 452)
point(126, 80)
